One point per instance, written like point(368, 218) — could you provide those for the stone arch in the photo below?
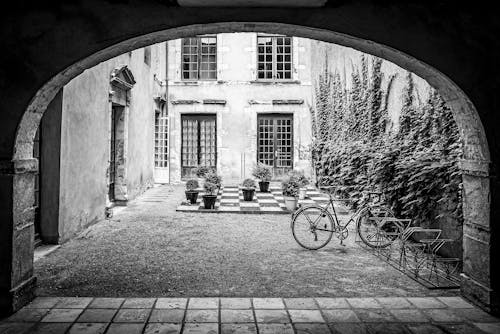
point(476, 277)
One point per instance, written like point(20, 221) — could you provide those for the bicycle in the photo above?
point(313, 225)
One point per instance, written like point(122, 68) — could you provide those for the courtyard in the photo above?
point(148, 249)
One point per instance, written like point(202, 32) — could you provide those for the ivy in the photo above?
point(414, 165)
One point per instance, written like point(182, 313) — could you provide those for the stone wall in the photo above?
point(244, 99)
point(85, 138)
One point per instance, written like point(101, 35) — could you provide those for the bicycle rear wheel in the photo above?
point(368, 226)
point(313, 227)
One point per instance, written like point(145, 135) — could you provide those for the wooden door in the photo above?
point(275, 142)
point(199, 143)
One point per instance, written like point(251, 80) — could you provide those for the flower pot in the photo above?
point(192, 196)
point(291, 203)
point(302, 193)
point(248, 194)
point(264, 186)
point(209, 201)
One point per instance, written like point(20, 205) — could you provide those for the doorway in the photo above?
point(199, 143)
point(161, 171)
point(275, 142)
point(115, 150)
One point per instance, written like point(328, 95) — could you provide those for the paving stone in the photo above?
point(167, 315)
point(268, 303)
point(236, 303)
point(455, 302)
point(88, 328)
point(62, 315)
point(386, 328)
point(271, 316)
point(312, 329)
point(426, 302)
point(132, 315)
point(43, 302)
point(275, 329)
point(201, 328)
point(340, 315)
point(374, 315)
point(202, 315)
point(493, 328)
point(475, 315)
point(125, 329)
point(409, 315)
point(203, 303)
point(15, 327)
point(306, 316)
point(162, 328)
point(301, 303)
point(28, 315)
point(348, 328)
point(46, 328)
point(138, 303)
point(394, 302)
point(97, 315)
point(171, 303)
point(442, 315)
point(363, 303)
point(73, 302)
point(425, 329)
point(236, 316)
point(330, 303)
point(238, 329)
point(462, 329)
point(106, 303)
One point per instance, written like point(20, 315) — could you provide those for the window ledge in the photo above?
point(275, 82)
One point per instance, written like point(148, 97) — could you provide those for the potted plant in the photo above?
point(263, 173)
point(210, 195)
point(248, 188)
point(290, 188)
point(201, 171)
point(192, 190)
point(212, 177)
point(303, 183)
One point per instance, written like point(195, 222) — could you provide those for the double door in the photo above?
point(275, 142)
point(199, 143)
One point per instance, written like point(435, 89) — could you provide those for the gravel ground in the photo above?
point(148, 249)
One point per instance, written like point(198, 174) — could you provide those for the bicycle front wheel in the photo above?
point(312, 227)
point(368, 222)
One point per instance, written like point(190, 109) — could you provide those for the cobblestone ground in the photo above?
point(149, 250)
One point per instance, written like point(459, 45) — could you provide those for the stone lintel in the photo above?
point(474, 167)
point(214, 101)
point(288, 101)
point(11, 167)
point(184, 101)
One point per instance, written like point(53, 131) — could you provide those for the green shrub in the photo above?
point(248, 183)
point(212, 177)
point(201, 171)
point(210, 188)
point(192, 184)
point(290, 187)
point(262, 172)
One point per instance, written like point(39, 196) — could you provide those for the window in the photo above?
point(199, 58)
point(147, 55)
point(274, 58)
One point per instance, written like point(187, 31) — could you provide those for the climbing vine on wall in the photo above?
point(357, 149)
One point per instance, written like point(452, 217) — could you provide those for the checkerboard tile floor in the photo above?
point(58, 315)
point(230, 200)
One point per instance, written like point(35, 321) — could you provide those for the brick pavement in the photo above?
point(250, 315)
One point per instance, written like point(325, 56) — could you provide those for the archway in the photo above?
point(476, 277)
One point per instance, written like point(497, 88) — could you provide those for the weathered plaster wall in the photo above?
point(237, 119)
point(85, 138)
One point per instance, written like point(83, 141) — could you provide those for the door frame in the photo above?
point(200, 116)
point(273, 115)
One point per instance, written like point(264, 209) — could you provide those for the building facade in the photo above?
point(100, 154)
point(237, 99)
